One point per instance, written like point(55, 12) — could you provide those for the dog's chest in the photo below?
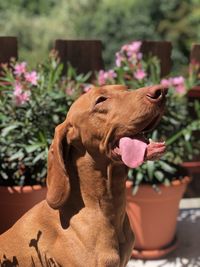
point(94, 238)
point(91, 226)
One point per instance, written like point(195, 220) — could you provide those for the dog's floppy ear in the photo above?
point(57, 176)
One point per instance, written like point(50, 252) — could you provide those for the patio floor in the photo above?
point(187, 253)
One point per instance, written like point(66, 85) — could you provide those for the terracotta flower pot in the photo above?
point(153, 218)
point(16, 200)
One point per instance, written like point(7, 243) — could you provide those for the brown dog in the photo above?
point(83, 222)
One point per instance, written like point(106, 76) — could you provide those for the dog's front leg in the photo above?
point(127, 246)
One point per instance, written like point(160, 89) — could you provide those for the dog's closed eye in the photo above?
point(100, 99)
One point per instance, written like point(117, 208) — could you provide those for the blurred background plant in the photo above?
point(32, 103)
point(177, 126)
point(177, 21)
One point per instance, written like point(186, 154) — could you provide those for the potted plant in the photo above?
point(155, 188)
point(32, 103)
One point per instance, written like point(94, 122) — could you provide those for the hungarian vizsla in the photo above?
point(83, 222)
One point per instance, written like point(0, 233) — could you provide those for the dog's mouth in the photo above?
point(134, 150)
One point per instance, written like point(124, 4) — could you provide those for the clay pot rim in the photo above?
point(22, 189)
point(177, 182)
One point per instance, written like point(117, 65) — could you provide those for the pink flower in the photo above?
point(20, 68)
point(178, 80)
point(17, 89)
point(20, 96)
point(87, 88)
point(132, 51)
point(101, 78)
point(134, 48)
point(69, 91)
point(110, 75)
point(31, 77)
point(119, 59)
point(104, 76)
point(180, 89)
point(166, 82)
point(139, 56)
point(140, 74)
point(124, 47)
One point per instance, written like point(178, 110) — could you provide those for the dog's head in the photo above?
point(108, 123)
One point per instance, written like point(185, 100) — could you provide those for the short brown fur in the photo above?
point(83, 222)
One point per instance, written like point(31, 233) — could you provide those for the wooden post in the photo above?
point(195, 53)
point(195, 58)
point(8, 49)
point(162, 50)
point(84, 55)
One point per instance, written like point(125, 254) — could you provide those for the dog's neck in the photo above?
point(102, 187)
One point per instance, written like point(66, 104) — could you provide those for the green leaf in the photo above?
point(155, 135)
point(71, 72)
point(42, 138)
point(187, 135)
point(40, 156)
point(139, 178)
point(159, 176)
point(189, 147)
point(197, 107)
point(18, 155)
point(32, 148)
point(167, 182)
point(8, 129)
point(166, 167)
point(135, 189)
point(150, 169)
point(3, 175)
point(174, 137)
point(130, 173)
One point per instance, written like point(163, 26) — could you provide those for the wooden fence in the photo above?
point(86, 55)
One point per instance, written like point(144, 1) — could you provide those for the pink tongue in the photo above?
point(132, 151)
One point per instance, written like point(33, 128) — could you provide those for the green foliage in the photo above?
point(37, 7)
point(111, 23)
point(180, 25)
point(29, 111)
point(115, 24)
point(38, 23)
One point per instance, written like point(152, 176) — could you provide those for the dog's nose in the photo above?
point(156, 93)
